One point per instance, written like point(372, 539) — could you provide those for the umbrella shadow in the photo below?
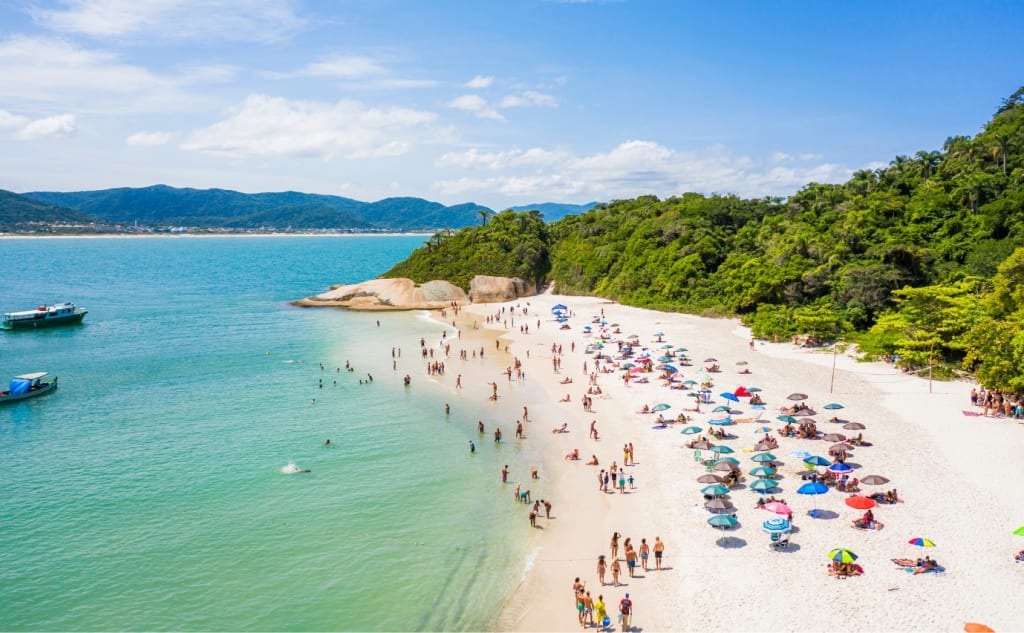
point(789, 549)
point(822, 514)
point(853, 465)
point(731, 542)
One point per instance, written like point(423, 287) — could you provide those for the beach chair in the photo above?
point(697, 455)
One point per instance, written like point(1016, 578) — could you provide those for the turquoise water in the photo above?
point(147, 492)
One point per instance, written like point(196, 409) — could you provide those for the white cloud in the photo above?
point(236, 20)
point(344, 66)
point(53, 71)
point(479, 82)
point(632, 168)
point(272, 126)
point(477, 105)
point(148, 139)
point(27, 129)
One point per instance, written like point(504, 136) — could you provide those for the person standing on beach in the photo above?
point(602, 566)
point(615, 545)
point(519, 430)
point(547, 508)
point(632, 460)
point(600, 480)
point(626, 610)
point(593, 429)
point(625, 454)
point(525, 415)
point(659, 549)
point(504, 474)
point(616, 570)
point(630, 559)
point(588, 610)
point(533, 519)
point(645, 552)
point(600, 610)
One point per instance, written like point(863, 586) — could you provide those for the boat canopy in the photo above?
point(19, 385)
point(30, 377)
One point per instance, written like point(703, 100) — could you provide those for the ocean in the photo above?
point(150, 492)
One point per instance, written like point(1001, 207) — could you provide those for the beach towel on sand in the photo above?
point(972, 414)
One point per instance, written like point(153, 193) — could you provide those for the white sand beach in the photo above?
point(958, 477)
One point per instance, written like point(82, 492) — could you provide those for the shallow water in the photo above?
point(147, 493)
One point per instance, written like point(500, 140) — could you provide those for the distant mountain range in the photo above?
point(161, 205)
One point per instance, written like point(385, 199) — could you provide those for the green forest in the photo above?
point(922, 260)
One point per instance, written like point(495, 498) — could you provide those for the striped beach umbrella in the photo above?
point(921, 542)
point(842, 556)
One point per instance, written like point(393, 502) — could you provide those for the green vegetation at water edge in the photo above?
point(923, 258)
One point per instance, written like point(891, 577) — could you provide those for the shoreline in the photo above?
point(721, 581)
point(12, 236)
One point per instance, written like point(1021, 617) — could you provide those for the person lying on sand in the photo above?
point(1019, 557)
point(574, 455)
point(561, 429)
point(566, 381)
point(566, 398)
point(593, 461)
point(645, 409)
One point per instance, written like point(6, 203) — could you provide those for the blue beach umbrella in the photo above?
point(839, 468)
point(691, 430)
point(832, 406)
point(763, 457)
point(763, 429)
point(670, 368)
point(729, 396)
point(786, 418)
point(815, 460)
point(778, 525)
point(812, 488)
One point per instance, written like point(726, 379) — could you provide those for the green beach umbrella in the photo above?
point(689, 383)
point(731, 460)
point(691, 430)
point(815, 460)
point(723, 521)
point(832, 406)
point(762, 471)
point(714, 490)
point(842, 556)
point(628, 365)
point(763, 457)
point(785, 418)
point(720, 448)
point(1019, 531)
point(763, 484)
point(753, 389)
point(720, 408)
point(661, 407)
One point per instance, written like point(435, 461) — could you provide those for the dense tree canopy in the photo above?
point(923, 258)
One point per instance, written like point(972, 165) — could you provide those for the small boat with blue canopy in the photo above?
point(28, 386)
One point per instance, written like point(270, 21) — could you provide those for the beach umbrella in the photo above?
point(728, 395)
point(721, 448)
point(921, 542)
point(665, 359)
point(841, 446)
point(689, 383)
point(797, 396)
point(719, 504)
point(661, 407)
point(812, 488)
point(1019, 531)
point(628, 365)
point(709, 479)
point(975, 627)
point(613, 324)
point(559, 306)
point(723, 465)
point(714, 490)
point(874, 480)
point(807, 421)
point(840, 468)
point(763, 429)
point(854, 426)
point(691, 430)
point(788, 419)
point(667, 346)
point(762, 446)
point(721, 408)
point(763, 485)
point(754, 389)
point(710, 360)
point(731, 460)
point(659, 334)
point(762, 471)
point(815, 460)
point(833, 406)
point(860, 503)
point(778, 508)
point(723, 521)
point(834, 437)
point(742, 392)
point(842, 556)
point(777, 525)
point(726, 421)
point(703, 445)
point(763, 457)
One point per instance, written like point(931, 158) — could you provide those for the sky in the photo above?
point(498, 102)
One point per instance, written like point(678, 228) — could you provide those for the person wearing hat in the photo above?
point(625, 610)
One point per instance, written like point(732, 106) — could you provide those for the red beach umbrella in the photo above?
point(860, 503)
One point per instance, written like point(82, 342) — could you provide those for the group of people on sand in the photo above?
point(920, 565)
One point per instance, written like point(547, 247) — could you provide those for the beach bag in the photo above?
point(606, 621)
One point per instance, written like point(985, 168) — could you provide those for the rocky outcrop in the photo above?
point(404, 294)
point(389, 294)
point(485, 289)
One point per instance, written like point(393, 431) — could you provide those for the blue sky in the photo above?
point(498, 102)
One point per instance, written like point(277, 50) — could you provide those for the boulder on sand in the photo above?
point(487, 289)
point(389, 294)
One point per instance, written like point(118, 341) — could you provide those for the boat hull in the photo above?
point(35, 324)
point(45, 388)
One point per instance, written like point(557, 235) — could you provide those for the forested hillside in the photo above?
point(923, 258)
point(18, 213)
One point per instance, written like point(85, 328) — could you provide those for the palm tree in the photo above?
point(485, 215)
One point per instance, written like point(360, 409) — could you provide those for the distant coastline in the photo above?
point(92, 236)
